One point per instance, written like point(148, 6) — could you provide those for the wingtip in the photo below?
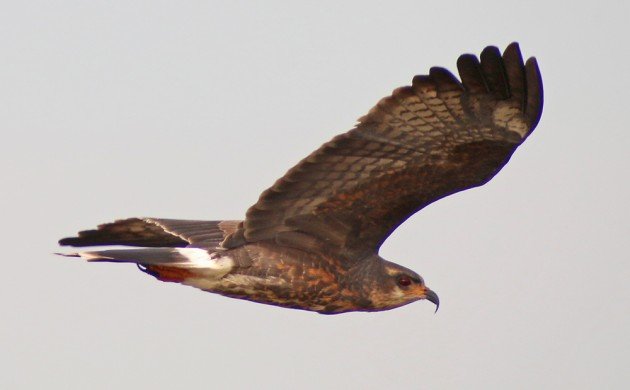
point(467, 59)
point(490, 50)
point(512, 55)
point(444, 79)
point(469, 70)
point(532, 66)
point(513, 47)
point(535, 94)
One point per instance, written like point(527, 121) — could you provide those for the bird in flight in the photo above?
point(311, 241)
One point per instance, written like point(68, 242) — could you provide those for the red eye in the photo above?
point(404, 280)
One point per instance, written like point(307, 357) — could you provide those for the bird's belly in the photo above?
point(314, 294)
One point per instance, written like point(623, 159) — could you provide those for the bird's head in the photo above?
point(394, 285)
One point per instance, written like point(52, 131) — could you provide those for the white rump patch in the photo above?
point(195, 256)
point(201, 258)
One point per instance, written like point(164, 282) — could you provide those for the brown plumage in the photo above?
point(311, 241)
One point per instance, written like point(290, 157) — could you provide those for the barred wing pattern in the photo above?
point(426, 141)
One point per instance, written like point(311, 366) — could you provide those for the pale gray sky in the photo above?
point(190, 109)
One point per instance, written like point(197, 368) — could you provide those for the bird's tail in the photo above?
point(170, 249)
point(148, 256)
point(166, 264)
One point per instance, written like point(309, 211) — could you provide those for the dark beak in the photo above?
point(431, 296)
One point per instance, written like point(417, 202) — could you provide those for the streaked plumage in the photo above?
point(311, 241)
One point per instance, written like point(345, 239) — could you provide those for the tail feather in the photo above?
point(167, 264)
point(149, 256)
point(171, 250)
point(190, 257)
point(131, 231)
point(155, 233)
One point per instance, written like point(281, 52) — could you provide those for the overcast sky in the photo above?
point(189, 109)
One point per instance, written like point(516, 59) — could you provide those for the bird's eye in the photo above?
point(404, 280)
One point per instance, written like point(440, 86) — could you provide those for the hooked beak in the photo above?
point(431, 296)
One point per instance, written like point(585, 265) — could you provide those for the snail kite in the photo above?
point(311, 241)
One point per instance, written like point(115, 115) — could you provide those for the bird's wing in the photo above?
point(426, 141)
point(156, 232)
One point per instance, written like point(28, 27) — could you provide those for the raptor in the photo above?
point(311, 241)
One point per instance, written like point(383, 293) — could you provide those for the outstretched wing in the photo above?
point(426, 141)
